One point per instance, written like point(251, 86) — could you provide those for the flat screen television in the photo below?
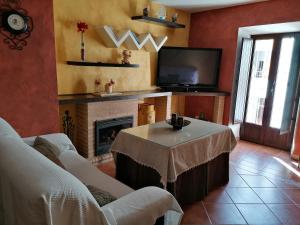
point(188, 67)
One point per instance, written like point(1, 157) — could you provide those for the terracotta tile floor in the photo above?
point(264, 188)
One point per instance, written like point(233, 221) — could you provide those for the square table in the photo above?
point(188, 162)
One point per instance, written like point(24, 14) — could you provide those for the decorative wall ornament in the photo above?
point(68, 125)
point(15, 24)
point(132, 41)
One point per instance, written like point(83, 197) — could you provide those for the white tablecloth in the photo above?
point(171, 152)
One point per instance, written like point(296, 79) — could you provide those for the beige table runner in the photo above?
point(171, 152)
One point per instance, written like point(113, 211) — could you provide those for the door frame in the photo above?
point(261, 129)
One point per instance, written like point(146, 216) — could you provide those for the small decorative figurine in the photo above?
point(126, 56)
point(109, 86)
point(174, 17)
point(82, 27)
point(146, 11)
point(97, 85)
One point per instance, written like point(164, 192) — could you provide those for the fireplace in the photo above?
point(107, 130)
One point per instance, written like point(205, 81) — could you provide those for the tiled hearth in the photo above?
point(87, 114)
point(264, 188)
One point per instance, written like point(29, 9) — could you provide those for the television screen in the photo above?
point(192, 67)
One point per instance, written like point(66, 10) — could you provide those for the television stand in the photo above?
point(189, 89)
point(219, 101)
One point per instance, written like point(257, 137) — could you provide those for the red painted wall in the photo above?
point(28, 86)
point(219, 29)
point(195, 107)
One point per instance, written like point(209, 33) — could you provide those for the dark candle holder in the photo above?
point(179, 123)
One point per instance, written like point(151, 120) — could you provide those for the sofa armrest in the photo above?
point(90, 175)
point(144, 207)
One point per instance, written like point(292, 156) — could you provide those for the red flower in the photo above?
point(97, 82)
point(112, 82)
point(82, 26)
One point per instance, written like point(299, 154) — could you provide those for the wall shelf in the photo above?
point(165, 23)
point(79, 63)
point(132, 41)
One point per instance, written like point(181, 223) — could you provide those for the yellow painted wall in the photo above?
point(116, 13)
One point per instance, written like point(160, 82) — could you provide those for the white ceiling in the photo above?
point(204, 5)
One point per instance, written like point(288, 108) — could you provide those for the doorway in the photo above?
point(269, 79)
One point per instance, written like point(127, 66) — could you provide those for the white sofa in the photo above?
point(35, 191)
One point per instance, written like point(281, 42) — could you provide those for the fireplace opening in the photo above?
point(107, 130)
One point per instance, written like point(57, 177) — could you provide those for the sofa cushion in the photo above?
point(36, 191)
point(60, 140)
point(102, 197)
point(7, 130)
point(48, 149)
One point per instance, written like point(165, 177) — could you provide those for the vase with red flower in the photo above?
point(109, 86)
point(82, 27)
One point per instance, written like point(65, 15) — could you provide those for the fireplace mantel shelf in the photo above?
point(127, 95)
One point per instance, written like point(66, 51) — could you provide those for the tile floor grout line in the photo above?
point(255, 192)
point(240, 213)
point(260, 199)
point(280, 189)
point(262, 172)
point(236, 206)
point(295, 203)
point(206, 212)
point(273, 214)
point(247, 169)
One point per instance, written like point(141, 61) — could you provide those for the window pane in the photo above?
point(284, 66)
point(259, 81)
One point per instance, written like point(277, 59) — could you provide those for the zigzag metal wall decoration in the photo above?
point(130, 39)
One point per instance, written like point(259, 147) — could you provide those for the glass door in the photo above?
point(272, 91)
point(280, 90)
point(259, 81)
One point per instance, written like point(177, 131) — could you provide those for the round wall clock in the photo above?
point(14, 22)
point(15, 25)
